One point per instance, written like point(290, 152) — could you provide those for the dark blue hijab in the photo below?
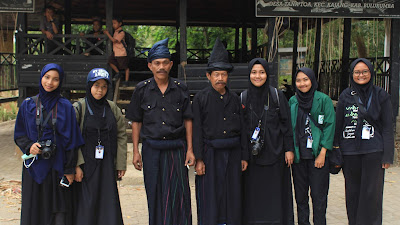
point(49, 99)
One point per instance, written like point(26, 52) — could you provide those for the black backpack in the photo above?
point(129, 43)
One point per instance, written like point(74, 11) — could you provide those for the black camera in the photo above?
point(48, 149)
point(257, 145)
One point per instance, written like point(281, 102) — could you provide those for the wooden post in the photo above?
point(395, 65)
point(237, 43)
point(317, 48)
point(254, 40)
point(344, 79)
point(109, 16)
point(243, 54)
point(272, 47)
point(294, 54)
point(183, 33)
point(68, 15)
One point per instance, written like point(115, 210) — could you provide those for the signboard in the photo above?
point(331, 8)
point(17, 6)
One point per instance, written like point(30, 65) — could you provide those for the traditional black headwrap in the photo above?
point(364, 92)
point(305, 99)
point(97, 106)
point(159, 50)
point(305, 102)
point(49, 99)
point(219, 59)
point(257, 96)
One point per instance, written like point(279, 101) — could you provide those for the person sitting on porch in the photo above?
point(49, 26)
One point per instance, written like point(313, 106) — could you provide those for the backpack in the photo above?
point(129, 43)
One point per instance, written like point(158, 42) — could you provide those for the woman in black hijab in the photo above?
point(268, 138)
point(364, 134)
point(313, 122)
point(103, 157)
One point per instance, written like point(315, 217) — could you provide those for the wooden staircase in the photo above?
point(122, 97)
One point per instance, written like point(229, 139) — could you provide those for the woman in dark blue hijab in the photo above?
point(47, 118)
point(364, 133)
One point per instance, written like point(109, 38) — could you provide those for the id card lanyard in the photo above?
point(366, 130)
point(99, 149)
point(308, 131)
point(256, 132)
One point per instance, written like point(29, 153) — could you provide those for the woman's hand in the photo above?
point(200, 167)
point(70, 178)
point(78, 174)
point(190, 159)
point(320, 160)
point(289, 157)
point(121, 173)
point(35, 149)
point(385, 165)
point(244, 165)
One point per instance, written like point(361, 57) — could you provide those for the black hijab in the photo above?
point(306, 99)
point(97, 106)
point(364, 92)
point(257, 96)
point(305, 102)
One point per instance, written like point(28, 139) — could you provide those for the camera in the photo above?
point(257, 146)
point(48, 149)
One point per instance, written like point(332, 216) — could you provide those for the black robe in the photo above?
point(97, 195)
point(267, 192)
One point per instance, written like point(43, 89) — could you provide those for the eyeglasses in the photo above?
point(364, 72)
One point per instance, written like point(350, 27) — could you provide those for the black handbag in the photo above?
point(335, 155)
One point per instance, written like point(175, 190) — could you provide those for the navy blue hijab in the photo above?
point(49, 99)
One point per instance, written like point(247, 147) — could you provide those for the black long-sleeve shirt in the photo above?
point(276, 130)
point(216, 116)
point(162, 115)
point(382, 136)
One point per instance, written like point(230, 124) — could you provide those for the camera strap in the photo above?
point(40, 123)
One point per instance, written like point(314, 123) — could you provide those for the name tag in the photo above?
point(321, 119)
point(366, 133)
point(309, 141)
point(99, 152)
point(255, 133)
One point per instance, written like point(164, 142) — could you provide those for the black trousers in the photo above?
point(364, 179)
point(306, 176)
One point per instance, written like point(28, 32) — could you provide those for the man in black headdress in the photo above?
point(216, 143)
point(161, 112)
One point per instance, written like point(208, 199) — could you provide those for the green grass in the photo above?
point(6, 115)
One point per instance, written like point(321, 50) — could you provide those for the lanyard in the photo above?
point(91, 113)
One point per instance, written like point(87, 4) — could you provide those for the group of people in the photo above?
point(243, 148)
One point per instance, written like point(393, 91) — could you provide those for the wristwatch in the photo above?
point(51, 21)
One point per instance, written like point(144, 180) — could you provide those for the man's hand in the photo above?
point(78, 174)
point(137, 161)
point(385, 165)
point(190, 159)
point(35, 149)
point(200, 167)
point(244, 165)
point(289, 157)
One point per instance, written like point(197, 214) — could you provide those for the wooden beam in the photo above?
point(317, 48)
point(344, 78)
point(272, 47)
point(395, 65)
point(109, 16)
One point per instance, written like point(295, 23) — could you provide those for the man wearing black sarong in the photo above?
point(216, 143)
point(161, 112)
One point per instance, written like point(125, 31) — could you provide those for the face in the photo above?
point(50, 80)
point(258, 76)
point(99, 89)
point(160, 67)
point(218, 79)
point(116, 24)
point(303, 82)
point(96, 26)
point(361, 73)
point(49, 12)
